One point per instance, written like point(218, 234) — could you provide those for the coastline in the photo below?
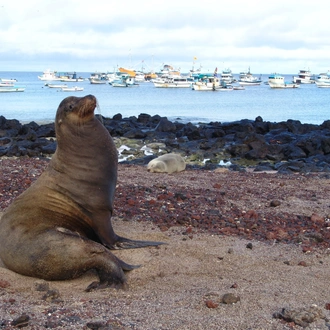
point(287, 147)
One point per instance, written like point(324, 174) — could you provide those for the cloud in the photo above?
point(109, 33)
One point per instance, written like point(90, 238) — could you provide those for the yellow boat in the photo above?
point(131, 73)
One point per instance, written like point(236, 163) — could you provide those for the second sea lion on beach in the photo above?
point(168, 163)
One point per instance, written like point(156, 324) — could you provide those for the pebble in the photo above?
point(230, 298)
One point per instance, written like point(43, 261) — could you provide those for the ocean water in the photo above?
point(38, 103)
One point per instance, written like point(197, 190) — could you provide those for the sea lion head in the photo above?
point(75, 119)
point(76, 110)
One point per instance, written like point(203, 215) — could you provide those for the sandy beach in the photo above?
point(184, 283)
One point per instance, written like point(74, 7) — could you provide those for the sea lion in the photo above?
point(168, 163)
point(60, 227)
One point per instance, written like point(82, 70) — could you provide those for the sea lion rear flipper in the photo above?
point(125, 243)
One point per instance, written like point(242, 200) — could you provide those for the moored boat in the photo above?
point(304, 77)
point(12, 89)
point(276, 80)
point(172, 81)
point(98, 78)
point(227, 76)
point(72, 89)
point(248, 79)
point(130, 72)
point(9, 81)
point(6, 84)
point(323, 77)
point(48, 75)
point(69, 77)
point(124, 80)
point(56, 85)
point(211, 83)
point(169, 70)
point(97, 81)
point(322, 84)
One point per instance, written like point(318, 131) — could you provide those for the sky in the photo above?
point(101, 35)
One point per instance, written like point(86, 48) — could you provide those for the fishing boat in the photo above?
point(139, 77)
point(211, 83)
point(238, 88)
point(69, 77)
point(6, 84)
point(56, 85)
point(172, 81)
point(227, 76)
point(98, 78)
point(72, 89)
point(323, 77)
point(304, 77)
point(169, 70)
point(48, 75)
point(322, 84)
point(248, 79)
point(124, 80)
point(150, 76)
point(276, 80)
point(97, 81)
point(5, 80)
point(130, 72)
point(11, 89)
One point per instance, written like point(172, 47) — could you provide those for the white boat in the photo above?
point(322, 84)
point(247, 79)
point(6, 84)
point(304, 77)
point(10, 81)
point(97, 81)
point(211, 83)
point(139, 77)
point(277, 81)
point(72, 89)
point(56, 85)
point(238, 88)
point(69, 77)
point(11, 89)
point(124, 80)
point(98, 78)
point(169, 71)
point(172, 81)
point(48, 75)
point(227, 76)
point(323, 77)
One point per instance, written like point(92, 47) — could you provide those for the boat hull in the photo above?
point(322, 84)
point(172, 85)
point(72, 89)
point(286, 85)
point(11, 89)
point(247, 83)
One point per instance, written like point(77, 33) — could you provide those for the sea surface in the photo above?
point(308, 104)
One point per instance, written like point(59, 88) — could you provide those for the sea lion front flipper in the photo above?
point(125, 243)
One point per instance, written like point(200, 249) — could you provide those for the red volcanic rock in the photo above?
point(193, 198)
point(4, 284)
point(251, 214)
point(211, 304)
point(317, 218)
